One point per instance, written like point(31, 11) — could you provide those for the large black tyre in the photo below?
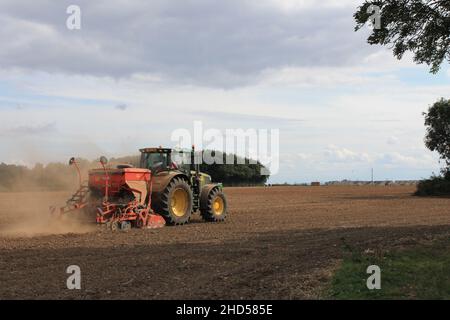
point(215, 207)
point(176, 202)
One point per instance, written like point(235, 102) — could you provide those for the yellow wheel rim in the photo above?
point(218, 206)
point(179, 202)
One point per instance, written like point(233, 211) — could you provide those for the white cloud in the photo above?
point(396, 160)
point(392, 140)
point(338, 154)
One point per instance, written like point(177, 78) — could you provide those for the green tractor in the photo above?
point(180, 189)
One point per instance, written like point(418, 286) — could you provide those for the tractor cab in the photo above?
point(155, 159)
point(166, 159)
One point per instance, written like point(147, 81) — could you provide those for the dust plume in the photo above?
point(26, 214)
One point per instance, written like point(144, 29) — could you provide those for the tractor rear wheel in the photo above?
point(176, 202)
point(215, 207)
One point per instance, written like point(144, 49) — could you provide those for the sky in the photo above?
point(138, 70)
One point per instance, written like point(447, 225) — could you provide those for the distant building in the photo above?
point(375, 183)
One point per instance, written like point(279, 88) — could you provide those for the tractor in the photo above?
point(166, 188)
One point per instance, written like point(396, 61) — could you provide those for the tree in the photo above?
point(437, 121)
point(419, 26)
point(247, 173)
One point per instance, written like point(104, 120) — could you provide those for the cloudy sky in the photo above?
point(138, 70)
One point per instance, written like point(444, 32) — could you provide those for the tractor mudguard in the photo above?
point(162, 179)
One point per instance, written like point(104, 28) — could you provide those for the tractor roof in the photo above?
point(153, 150)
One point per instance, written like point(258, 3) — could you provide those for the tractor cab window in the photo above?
point(154, 161)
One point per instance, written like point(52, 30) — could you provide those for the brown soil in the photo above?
point(278, 243)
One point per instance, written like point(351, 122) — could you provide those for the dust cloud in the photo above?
point(27, 214)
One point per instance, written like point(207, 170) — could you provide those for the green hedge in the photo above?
point(435, 186)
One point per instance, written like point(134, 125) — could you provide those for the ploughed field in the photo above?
point(277, 243)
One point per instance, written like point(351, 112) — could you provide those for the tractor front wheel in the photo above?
point(215, 207)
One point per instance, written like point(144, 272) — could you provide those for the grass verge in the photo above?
point(421, 272)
